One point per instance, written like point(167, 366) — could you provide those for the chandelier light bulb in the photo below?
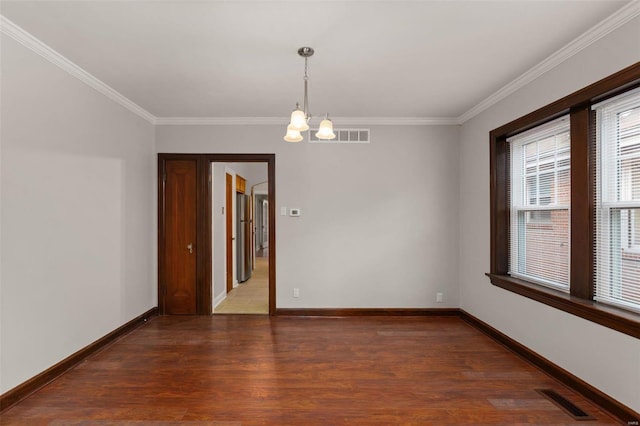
point(326, 130)
point(292, 135)
point(299, 120)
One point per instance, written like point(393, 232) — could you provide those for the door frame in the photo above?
point(228, 219)
point(204, 296)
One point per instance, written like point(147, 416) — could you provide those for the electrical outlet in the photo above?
point(296, 292)
point(439, 297)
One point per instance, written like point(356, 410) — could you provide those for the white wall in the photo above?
point(606, 359)
point(219, 231)
point(77, 217)
point(378, 225)
point(228, 169)
point(253, 172)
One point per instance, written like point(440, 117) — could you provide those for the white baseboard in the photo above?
point(218, 299)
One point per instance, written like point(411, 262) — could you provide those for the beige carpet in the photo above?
point(251, 296)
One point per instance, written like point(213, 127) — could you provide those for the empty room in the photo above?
point(320, 212)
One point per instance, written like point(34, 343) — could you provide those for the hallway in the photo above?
point(250, 297)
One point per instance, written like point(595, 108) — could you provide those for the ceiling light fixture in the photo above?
point(300, 117)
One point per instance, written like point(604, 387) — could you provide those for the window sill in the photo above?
point(616, 319)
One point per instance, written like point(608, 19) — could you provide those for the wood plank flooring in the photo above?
point(236, 370)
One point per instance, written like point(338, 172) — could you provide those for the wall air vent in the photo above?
point(343, 136)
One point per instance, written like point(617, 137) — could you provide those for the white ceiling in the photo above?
point(373, 58)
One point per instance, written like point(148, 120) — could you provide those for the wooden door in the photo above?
point(180, 234)
point(241, 184)
point(229, 219)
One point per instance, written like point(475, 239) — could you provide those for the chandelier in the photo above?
point(300, 117)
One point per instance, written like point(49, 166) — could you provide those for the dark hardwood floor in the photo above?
point(259, 370)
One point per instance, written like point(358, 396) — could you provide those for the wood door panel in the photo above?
point(241, 184)
point(180, 246)
point(229, 224)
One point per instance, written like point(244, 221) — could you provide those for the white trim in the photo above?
point(623, 101)
point(282, 121)
point(394, 121)
point(220, 121)
point(21, 36)
point(616, 20)
point(552, 128)
point(219, 299)
point(613, 22)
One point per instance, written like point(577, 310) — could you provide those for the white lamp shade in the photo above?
point(299, 120)
point(326, 130)
point(292, 135)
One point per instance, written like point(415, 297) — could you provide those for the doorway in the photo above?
point(235, 225)
point(202, 250)
point(262, 224)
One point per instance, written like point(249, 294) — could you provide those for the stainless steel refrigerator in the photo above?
point(243, 238)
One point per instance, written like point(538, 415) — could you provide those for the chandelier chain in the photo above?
point(305, 106)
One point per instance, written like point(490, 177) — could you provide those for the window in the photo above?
point(617, 266)
point(565, 203)
point(539, 204)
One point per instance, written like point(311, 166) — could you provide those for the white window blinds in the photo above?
point(539, 203)
point(617, 245)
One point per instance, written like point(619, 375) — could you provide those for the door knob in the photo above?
point(190, 248)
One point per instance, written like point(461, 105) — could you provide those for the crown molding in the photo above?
point(29, 41)
point(616, 20)
point(221, 121)
point(395, 121)
point(21, 36)
point(595, 33)
point(282, 121)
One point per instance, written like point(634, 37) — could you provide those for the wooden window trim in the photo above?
point(580, 300)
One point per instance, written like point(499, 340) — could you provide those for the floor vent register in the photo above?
point(569, 407)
